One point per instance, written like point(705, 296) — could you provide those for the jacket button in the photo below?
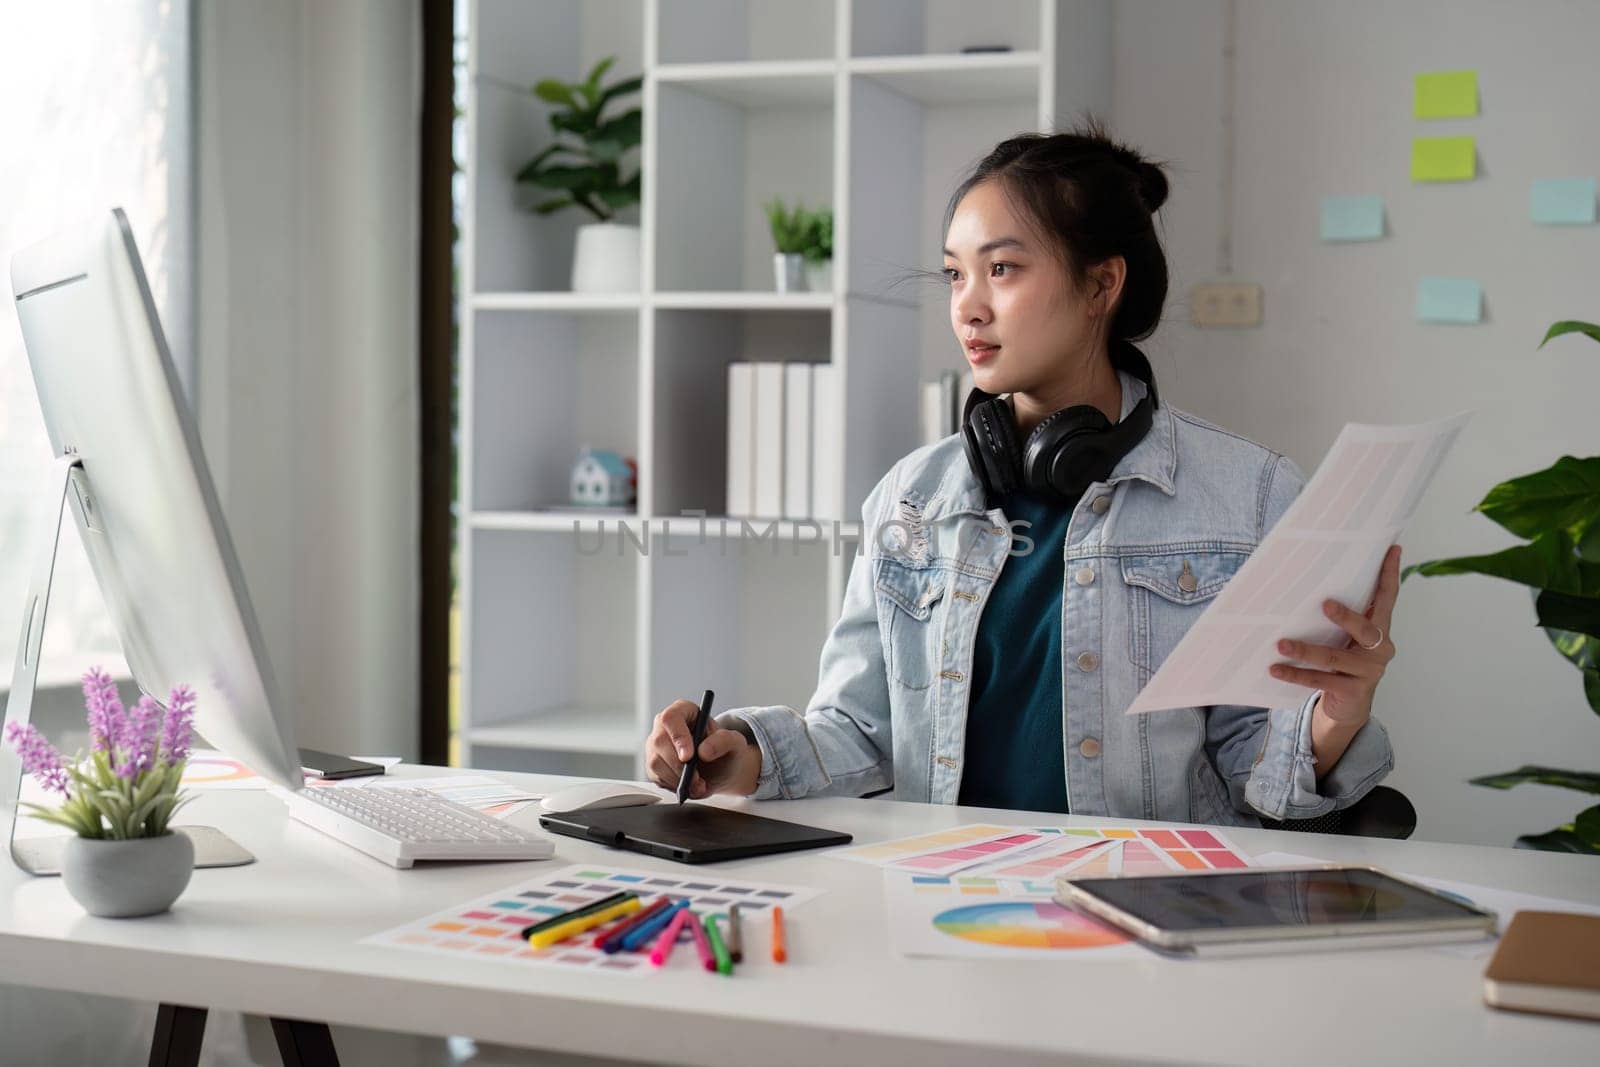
point(1084, 576)
point(1100, 504)
point(1088, 661)
point(1089, 747)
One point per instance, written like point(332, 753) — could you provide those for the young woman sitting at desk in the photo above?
point(1024, 578)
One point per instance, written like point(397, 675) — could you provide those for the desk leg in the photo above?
point(303, 1044)
point(176, 1042)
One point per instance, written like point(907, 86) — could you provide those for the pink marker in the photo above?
point(702, 943)
point(669, 937)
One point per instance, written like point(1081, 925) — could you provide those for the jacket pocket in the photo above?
point(907, 597)
point(1167, 592)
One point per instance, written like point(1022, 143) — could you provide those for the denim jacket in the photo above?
point(1146, 550)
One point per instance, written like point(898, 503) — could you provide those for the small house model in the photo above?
point(602, 479)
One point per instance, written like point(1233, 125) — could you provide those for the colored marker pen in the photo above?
point(718, 949)
point(669, 937)
point(780, 951)
point(735, 934)
point(701, 944)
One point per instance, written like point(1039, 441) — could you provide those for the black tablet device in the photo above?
point(690, 833)
point(1209, 911)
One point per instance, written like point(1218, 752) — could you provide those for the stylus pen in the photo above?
point(735, 934)
point(640, 935)
point(568, 916)
point(611, 940)
point(669, 937)
point(697, 734)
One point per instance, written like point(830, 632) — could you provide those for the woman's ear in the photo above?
point(1106, 280)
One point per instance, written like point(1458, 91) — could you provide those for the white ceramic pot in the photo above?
point(788, 269)
point(122, 879)
point(819, 276)
point(606, 259)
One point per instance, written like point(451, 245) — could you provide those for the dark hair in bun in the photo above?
point(1090, 198)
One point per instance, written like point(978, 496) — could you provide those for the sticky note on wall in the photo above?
point(1562, 201)
point(1457, 300)
point(1445, 94)
point(1352, 218)
point(1443, 159)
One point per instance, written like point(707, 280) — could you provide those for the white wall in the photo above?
point(1323, 107)
point(307, 358)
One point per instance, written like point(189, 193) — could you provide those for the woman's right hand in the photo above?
point(728, 762)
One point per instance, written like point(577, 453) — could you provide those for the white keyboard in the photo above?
point(401, 826)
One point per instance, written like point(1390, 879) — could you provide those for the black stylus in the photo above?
point(698, 734)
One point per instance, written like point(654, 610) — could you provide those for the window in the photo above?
point(95, 110)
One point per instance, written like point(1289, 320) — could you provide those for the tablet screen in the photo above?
point(1273, 898)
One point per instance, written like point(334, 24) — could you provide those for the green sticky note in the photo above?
point(1443, 159)
point(1445, 94)
point(1454, 300)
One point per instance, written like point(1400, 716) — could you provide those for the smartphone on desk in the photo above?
point(327, 765)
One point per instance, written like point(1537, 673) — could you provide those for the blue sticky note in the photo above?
point(1458, 300)
point(1352, 218)
point(1562, 201)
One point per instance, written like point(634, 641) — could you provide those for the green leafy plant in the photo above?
point(1557, 510)
point(583, 167)
point(800, 231)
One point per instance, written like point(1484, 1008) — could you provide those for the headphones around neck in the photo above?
point(1065, 453)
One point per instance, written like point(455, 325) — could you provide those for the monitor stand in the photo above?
point(42, 855)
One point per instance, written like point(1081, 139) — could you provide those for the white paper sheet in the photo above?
point(1329, 544)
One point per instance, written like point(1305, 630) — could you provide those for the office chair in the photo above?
point(1384, 812)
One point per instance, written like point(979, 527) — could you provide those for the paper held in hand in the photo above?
point(1330, 543)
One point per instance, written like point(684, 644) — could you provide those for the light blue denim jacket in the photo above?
point(890, 708)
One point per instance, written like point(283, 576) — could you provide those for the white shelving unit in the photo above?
point(577, 628)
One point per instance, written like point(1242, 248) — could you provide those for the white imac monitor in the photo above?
point(136, 482)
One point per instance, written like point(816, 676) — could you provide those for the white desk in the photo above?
point(280, 937)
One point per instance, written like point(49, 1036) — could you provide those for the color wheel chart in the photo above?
point(490, 927)
point(1025, 924)
point(975, 917)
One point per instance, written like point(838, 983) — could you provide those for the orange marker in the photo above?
point(779, 952)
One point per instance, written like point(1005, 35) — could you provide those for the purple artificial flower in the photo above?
point(177, 729)
point(138, 743)
point(39, 757)
point(107, 720)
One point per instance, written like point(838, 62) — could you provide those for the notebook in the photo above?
point(1548, 961)
point(690, 833)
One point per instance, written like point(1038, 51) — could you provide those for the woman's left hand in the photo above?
point(1349, 676)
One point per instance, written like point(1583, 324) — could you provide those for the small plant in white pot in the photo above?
point(125, 859)
point(801, 238)
point(583, 168)
point(819, 252)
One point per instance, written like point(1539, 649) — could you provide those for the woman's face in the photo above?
point(1018, 317)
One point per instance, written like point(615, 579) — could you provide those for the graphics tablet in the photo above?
point(690, 833)
point(1336, 907)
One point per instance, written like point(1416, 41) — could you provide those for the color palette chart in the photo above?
point(1049, 851)
point(975, 917)
point(940, 850)
point(490, 927)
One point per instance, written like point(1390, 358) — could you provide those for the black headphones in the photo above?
point(1068, 451)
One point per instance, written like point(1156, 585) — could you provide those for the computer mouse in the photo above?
point(594, 795)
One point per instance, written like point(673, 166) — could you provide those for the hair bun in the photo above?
point(1149, 178)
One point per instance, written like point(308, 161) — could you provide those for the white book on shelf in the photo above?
point(797, 441)
point(741, 438)
point(827, 443)
point(768, 431)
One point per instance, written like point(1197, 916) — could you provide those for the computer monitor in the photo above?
point(142, 498)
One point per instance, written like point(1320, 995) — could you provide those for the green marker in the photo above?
point(718, 949)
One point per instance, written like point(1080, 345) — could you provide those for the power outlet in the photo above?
point(1225, 304)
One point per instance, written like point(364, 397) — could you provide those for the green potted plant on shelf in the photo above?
point(124, 858)
point(1558, 511)
point(804, 243)
point(584, 167)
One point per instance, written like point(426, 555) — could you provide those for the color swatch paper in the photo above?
point(490, 927)
point(1012, 920)
point(1443, 159)
point(1452, 300)
point(1562, 202)
point(1352, 218)
point(1445, 94)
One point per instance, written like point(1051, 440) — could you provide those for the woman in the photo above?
point(1026, 577)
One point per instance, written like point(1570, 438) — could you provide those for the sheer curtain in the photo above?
point(96, 114)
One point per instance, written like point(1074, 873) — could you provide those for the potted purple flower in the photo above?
point(125, 859)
